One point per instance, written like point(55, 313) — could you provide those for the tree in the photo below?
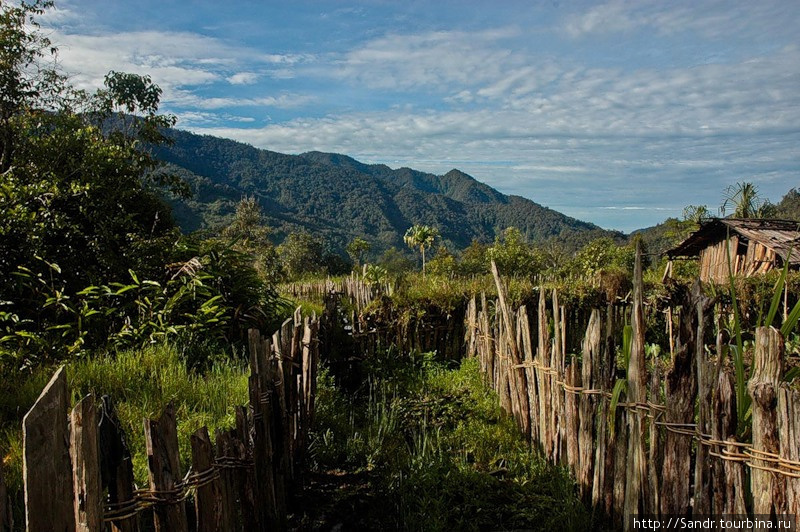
point(512, 254)
point(473, 259)
point(302, 254)
point(422, 237)
point(251, 236)
point(696, 214)
point(746, 202)
point(356, 249)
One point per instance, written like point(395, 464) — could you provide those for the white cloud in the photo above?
point(432, 60)
point(243, 78)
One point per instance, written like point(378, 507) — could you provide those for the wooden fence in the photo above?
point(77, 468)
point(360, 292)
point(671, 445)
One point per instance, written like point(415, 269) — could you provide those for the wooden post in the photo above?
point(46, 467)
point(266, 514)
point(164, 471)
point(729, 487)
point(530, 372)
point(635, 487)
point(208, 500)
point(86, 467)
point(592, 354)
point(116, 468)
point(705, 384)
point(543, 378)
point(228, 480)
point(602, 483)
point(572, 419)
point(789, 431)
point(767, 487)
point(680, 387)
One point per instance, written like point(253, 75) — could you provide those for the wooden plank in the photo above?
point(265, 506)
point(768, 488)
point(729, 479)
point(572, 420)
point(592, 354)
point(789, 433)
point(164, 471)
point(208, 498)
point(635, 486)
point(85, 445)
point(543, 378)
point(680, 388)
point(706, 378)
point(116, 468)
point(530, 374)
point(47, 467)
point(229, 481)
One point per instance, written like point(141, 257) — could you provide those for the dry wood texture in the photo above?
point(674, 448)
point(47, 466)
point(87, 478)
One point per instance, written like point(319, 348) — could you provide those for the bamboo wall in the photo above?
point(670, 447)
point(78, 474)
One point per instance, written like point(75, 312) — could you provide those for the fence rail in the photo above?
point(78, 473)
point(670, 446)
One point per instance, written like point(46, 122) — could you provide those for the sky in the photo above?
point(620, 113)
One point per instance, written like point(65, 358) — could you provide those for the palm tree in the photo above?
point(745, 200)
point(421, 236)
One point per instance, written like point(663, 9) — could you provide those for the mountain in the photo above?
point(339, 198)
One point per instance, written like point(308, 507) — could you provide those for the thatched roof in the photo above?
point(778, 235)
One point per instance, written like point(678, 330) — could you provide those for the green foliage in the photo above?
point(745, 201)
point(512, 254)
point(474, 259)
point(395, 262)
point(604, 254)
point(339, 199)
point(302, 255)
point(422, 237)
point(356, 249)
point(438, 451)
point(789, 206)
point(210, 298)
point(443, 263)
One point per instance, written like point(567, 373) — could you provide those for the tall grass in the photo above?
point(141, 382)
point(441, 452)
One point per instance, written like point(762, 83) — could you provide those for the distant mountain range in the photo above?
point(339, 198)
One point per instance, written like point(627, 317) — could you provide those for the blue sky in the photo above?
point(619, 113)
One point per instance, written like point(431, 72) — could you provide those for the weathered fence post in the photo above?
point(588, 404)
point(163, 460)
point(789, 431)
point(635, 487)
point(47, 467)
point(86, 467)
point(208, 499)
point(680, 388)
point(767, 487)
point(116, 470)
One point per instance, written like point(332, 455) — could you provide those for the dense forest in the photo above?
point(340, 198)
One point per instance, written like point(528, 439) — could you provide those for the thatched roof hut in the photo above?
point(756, 246)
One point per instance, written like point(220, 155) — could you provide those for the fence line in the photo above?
point(78, 473)
point(670, 446)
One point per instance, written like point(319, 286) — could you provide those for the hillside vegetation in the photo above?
point(339, 198)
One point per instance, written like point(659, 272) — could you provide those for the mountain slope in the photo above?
point(339, 198)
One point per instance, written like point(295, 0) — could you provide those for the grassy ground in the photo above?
point(424, 446)
point(141, 383)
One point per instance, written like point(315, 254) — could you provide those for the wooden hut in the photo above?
point(756, 246)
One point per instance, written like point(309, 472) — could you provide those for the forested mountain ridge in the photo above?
point(339, 198)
